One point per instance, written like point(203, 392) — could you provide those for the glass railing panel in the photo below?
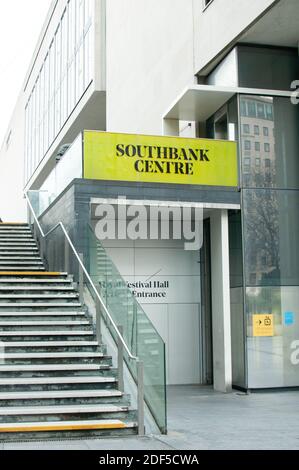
point(40, 201)
point(139, 333)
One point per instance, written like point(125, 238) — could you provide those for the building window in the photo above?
point(251, 109)
point(269, 112)
point(247, 145)
point(261, 111)
point(267, 147)
point(257, 162)
point(246, 128)
point(256, 130)
point(267, 162)
point(257, 146)
point(65, 75)
point(246, 179)
point(247, 164)
point(266, 131)
point(206, 3)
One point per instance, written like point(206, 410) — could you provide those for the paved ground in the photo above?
point(200, 418)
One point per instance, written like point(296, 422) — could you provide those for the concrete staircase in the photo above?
point(56, 381)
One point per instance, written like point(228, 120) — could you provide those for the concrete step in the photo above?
point(19, 250)
point(42, 288)
point(41, 314)
point(15, 230)
point(57, 380)
point(10, 289)
point(43, 323)
point(23, 333)
point(32, 275)
point(52, 367)
point(103, 370)
point(17, 235)
point(27, 262)
point(56, 394)
point(18, 246)
point(13, 258)
point(56, 296)
point(55, 355)
point(56, 426)
point(37, 281)
point(62, 409)
point(97, 396)
point(15, 239)
point(14, 224)
point(40, 304)
point(31, 267)
point(49, 344)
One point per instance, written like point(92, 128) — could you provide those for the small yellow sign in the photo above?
point(263, 324)
point(155, 159)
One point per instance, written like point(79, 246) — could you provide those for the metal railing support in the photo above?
point(81, 280)
point(98, 321)
point(140, 397)
point(42, 248)
point(66, 256)
point(120, 361)
point(34, 232)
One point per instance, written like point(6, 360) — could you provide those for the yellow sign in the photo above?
point(150, 159)
point(263, 325)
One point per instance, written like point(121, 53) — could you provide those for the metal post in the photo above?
point(98, 321)
point(120, 360)
point(41, 247)
point(66, 255)
point(34, 232)
point(140, 397)
point(81, 279)
point(30, 220)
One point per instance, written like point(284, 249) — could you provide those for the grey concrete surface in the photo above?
point(199, 418)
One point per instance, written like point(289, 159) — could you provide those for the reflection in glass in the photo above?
point(274, 138)
point(272, 359)
point(271, 234)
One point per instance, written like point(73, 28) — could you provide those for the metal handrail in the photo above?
point(99, 298)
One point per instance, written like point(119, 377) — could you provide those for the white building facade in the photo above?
point(188, 68)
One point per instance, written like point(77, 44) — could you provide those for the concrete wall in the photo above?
point(220, 24)
point(12, 203)
point(154, 49)
point(176, 316)
point(149, 61)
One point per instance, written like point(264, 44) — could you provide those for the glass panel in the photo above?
point(235, 249)
point(66, 170)
point(238, 336)
point(39, 200)
point(262, 67)
point(275, 140)
point(271, 234)
point(139, 333)
point(273, 360)
point(66, 73)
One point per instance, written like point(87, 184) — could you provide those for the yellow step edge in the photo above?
point(68, 427)
point(29, 273)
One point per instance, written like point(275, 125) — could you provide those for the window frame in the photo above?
point(206, 4)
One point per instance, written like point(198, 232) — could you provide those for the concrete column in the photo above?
point(222, 358)
point(171, 127)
